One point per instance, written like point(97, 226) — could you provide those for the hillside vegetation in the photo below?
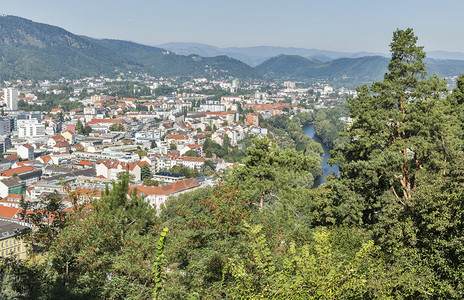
point(389, 227)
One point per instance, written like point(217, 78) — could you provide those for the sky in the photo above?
point(339, 25)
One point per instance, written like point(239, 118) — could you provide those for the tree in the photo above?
point(79, 127)
point(394, 135)
point(192, 153)
point(47, 217)
point(269, 172)
point(117, 127)
point(87, 130)
point(152, 145)
point(186, 171)
point(126, 174)
point(226, 142)
point(141, 153)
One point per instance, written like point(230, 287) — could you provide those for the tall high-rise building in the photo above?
point(11, 98)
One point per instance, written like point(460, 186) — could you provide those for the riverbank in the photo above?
point(326, 168)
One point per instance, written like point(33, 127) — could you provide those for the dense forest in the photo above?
point(390, 226)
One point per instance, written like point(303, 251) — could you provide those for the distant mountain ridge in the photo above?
point(256, 55)
point(346, 70)
point(35, 50)
point(253, 56)
point(30, 50)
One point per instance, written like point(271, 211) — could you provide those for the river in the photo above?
point(326, 168)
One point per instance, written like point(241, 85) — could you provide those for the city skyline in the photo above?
point(359, 25)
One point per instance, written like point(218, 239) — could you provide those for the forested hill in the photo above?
point(33, 50)
point(30, 50)
point(159, 61)
point(349, 70)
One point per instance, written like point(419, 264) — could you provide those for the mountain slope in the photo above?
point(34, 50)
point(162, 62)
point(30, 50)
point(287, 66)
point(354, 70)
point(346, 70)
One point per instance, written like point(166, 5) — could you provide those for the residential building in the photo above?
point(111, 169)
point(157, 195)
point(12, 185)
point(26, 151)
point(11, 98)
point(10, 243)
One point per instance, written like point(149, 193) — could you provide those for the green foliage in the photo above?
point(228, 153)
point(396, 130)
point(150, 182)
point(47, 217)
point(186, 171)
point(117, 127)
point(269, 172)
point(50, 101)
point(146, 173)
point(313, 271)
point(192, 153)
point(283, 125)
point(79, 127)
point(327, 124)
point(141, 153)
point(87, 130)
point(163, 90)
point(157, 265)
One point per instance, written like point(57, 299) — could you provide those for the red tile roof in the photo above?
point(45, 158)
point(58, 137)
point(20, 170)
point(85, 163)
point(196, 159)
point(9, 212)
point(141, 163)
point(62, 144)
point(177, 137)
point(28, 146)
point(106, 121)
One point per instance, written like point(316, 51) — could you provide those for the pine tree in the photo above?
point(79, 127)
point(394, 134)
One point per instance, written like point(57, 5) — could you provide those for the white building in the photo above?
point(110, 169)
point(11, 98)
point(30, 128)
point(26, 151)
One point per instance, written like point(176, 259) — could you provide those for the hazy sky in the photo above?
point(341, 25)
